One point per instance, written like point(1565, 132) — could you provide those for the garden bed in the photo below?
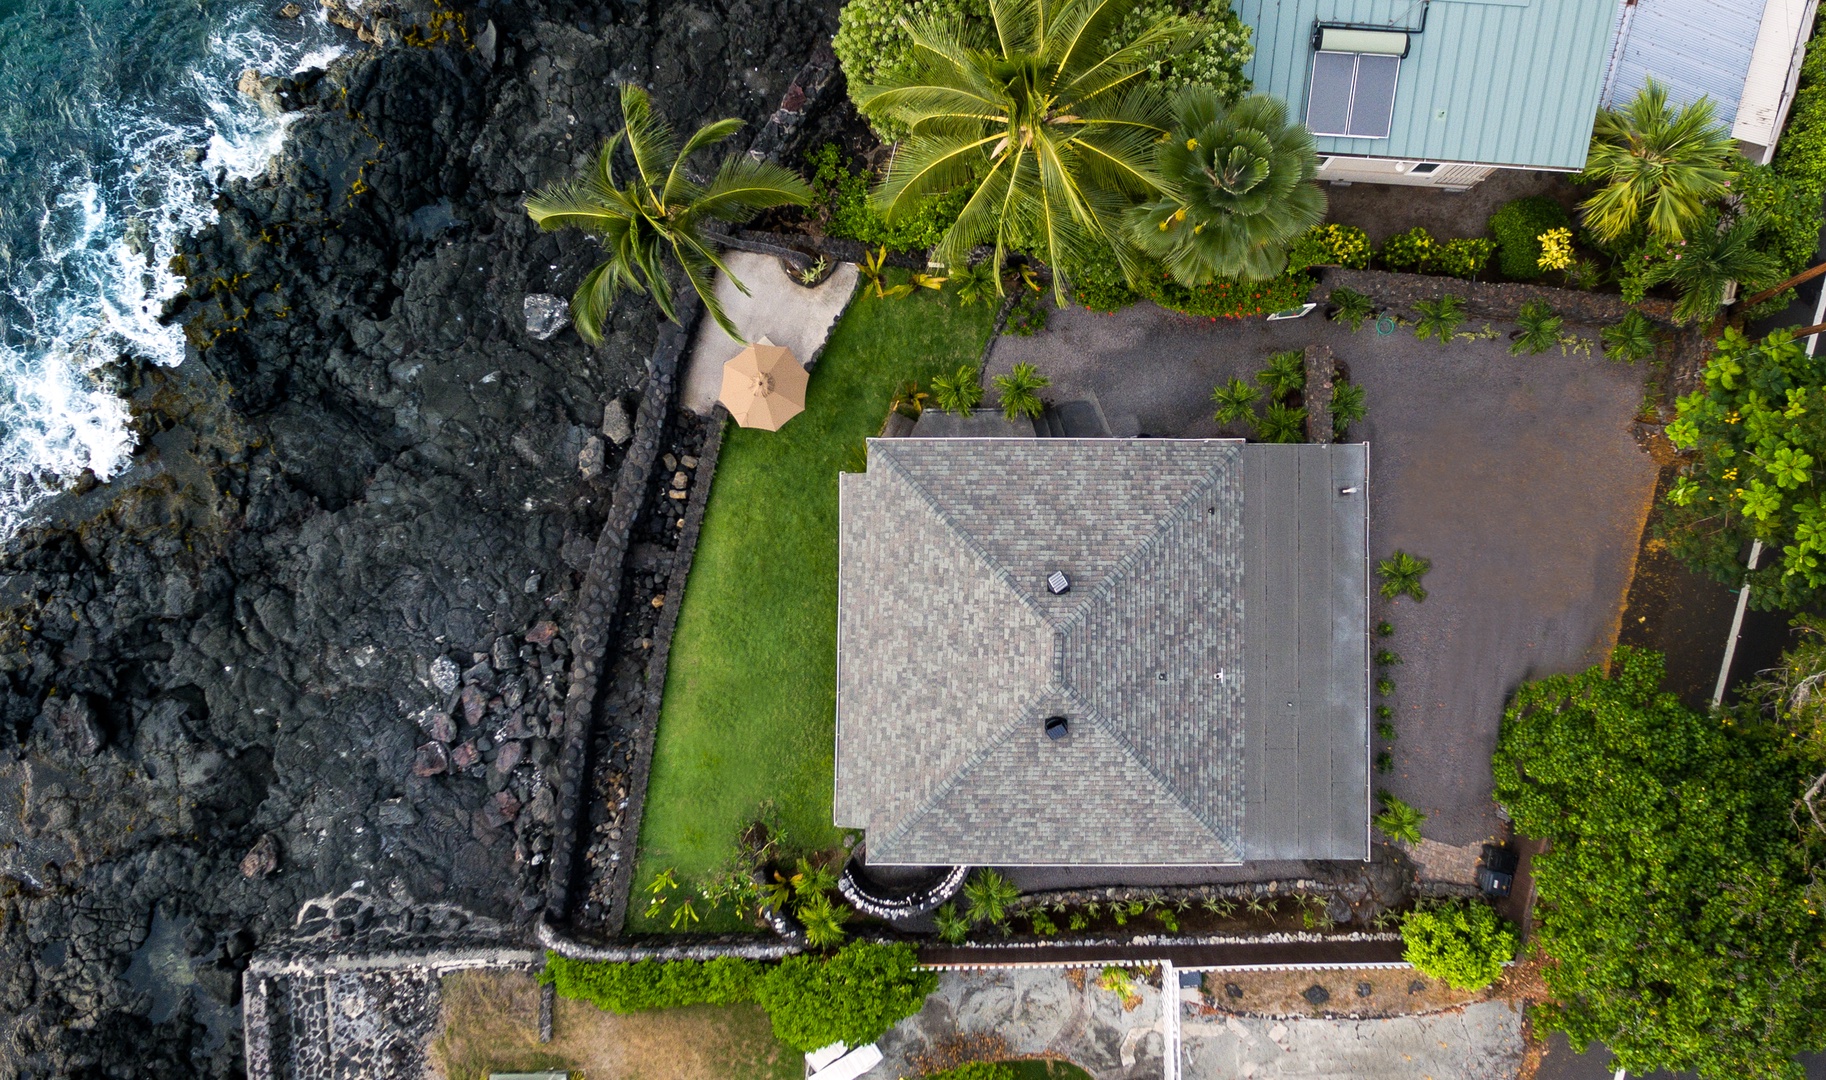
point(745, 725)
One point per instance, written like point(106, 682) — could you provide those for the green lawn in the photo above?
point(750, 697)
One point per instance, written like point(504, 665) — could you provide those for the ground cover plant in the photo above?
point(1674, 910)
point(1464, 943)
point(750, 691)
point(851, 996)
point(659, 209)
point(1757, 430)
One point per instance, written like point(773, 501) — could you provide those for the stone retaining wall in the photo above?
point(1500, 301)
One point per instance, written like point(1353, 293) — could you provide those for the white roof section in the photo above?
point(1743, 54)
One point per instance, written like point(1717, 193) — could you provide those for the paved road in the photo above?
point(1518, 477)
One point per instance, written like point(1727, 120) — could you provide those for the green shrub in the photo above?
point(1100, 286)
point(871, 44)
point(1414, 250)
point(841, 198)
point(1517, 226)
point(1217, 56)
point(651, 984)
point(1464, 943)
point(1788, 192)
point(1465, 258)
point(977, 1070)
point(852, 997)
point(1027, 316)
point(1330, 245)
point(1225, 299)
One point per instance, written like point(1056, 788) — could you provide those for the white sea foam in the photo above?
point(102, 277)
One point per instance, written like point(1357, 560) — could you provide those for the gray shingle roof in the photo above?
point(951, 652)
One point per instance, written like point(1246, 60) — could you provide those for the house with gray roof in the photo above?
point(1104, 652)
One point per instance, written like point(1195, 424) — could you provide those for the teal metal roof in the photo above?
point(1496, 82)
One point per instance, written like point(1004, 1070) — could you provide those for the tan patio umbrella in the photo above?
point(763, 386)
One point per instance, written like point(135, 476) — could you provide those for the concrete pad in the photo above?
point(776, 308)
point(1518, 476)
point(1040, 1012)
point(1476, 1042)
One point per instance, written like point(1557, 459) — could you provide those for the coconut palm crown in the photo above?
point(1239, 189)
point(1659, 166)
point(1048, 122)
point(659, 209)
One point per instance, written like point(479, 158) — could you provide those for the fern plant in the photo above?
point(1540, 329)
point(1632, 339)
point(1439, 318)
point(1019, 392)
point(958, 393)
point(1235, 402)
point(1353, 307)
point(1401, 574)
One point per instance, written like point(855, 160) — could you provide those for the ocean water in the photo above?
point(118, 118)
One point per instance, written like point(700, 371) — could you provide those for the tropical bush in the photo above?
point(851, 996)
point(1540, 329)
point(1464, 943)
point(990, 895)
point(659, 209)
point(1238, 189)
point(953, 926)
point(840, 198)
point(1052, 140)
point(1757, 430)
point(1712, 256)
point(1414, 250)
point(1518, 226)
point(1235, 402)
point(873, 46)
point(1217, 55)
point(1285, 373)
point(1331, 245)
point(1659, 167)
point(1349, 404)
point(1673, 907)
point(975, 282)
point(1398, 821)
point(1465, 258)
point(1789, 192)
point(1026, 316)
point(1281, 423)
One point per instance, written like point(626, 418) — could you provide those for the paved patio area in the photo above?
point(775, 307)
point(1477, 1042)
point(1517, 476)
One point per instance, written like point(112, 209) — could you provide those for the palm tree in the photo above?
point(990, 895)
point(1399, 821)
point(975, 282)
point(1401, 574)
point(1659, 167)
point(822, 919)
point(1631, 339)
point(659, 208)
point(1353, 307)
point(1049, 123)
point(1019, 391)
point(1235, 402)
point(1540, 329)
point(953, 928)
point(1349, 404)
point(1709, 260)
point(1285, 373)
point(1281, 423)
point(960, 393)
point(1239, 189)
point(1439, 318)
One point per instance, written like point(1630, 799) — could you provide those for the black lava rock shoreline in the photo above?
point(300, 672)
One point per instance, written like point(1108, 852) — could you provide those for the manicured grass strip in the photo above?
point(746, 725)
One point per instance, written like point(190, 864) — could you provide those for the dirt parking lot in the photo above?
point(1517, 476)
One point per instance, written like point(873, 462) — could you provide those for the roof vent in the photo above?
point(1057, 728)
point(1057, 583)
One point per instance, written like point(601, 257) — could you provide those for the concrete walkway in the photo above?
point(1517, 476)
point(776, 308)
point(1477, 1042)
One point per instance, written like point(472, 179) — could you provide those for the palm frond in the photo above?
point(744, 186)
point(650, 138)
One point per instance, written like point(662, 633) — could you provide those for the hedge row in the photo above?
point(852, 996)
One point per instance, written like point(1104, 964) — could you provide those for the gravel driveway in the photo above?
point(1518, 476)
